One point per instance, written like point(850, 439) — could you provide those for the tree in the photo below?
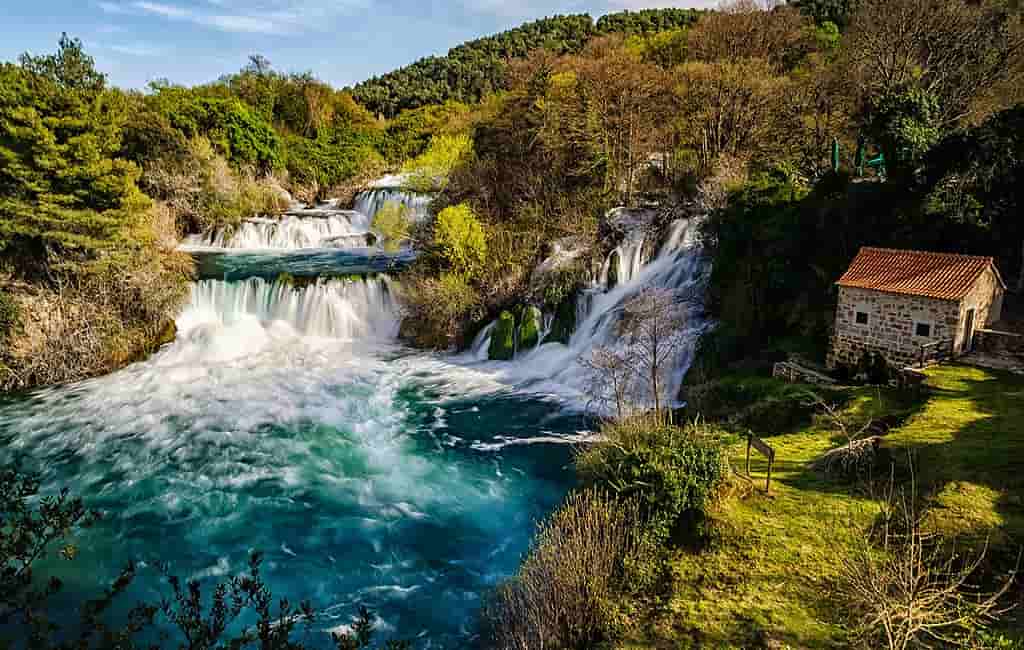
point(70, 68)
point(65, 190)
point(976, 178)
point(905, 124)
point(430, 171)
point(619, 105)
point(459, 239)
point(752, 29)
point(392, 222)
point(258, 64)
point(953, 52)
point(610, 373)
point(912, 591)
point(727, 108)
point(836, 12)
point(653, 326)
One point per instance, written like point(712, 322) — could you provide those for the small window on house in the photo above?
point(862, 318)
point(922, 329)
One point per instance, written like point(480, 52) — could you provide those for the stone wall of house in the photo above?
point(891, 327)
point(986, 298)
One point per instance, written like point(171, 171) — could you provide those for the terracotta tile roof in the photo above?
point(917, 273)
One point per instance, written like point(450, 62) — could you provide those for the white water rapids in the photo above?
point(287, 418)
point(323, 226)
point(680, 266)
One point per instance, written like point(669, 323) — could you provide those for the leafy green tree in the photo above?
point(70, 68)
point(975, 179)
point(905, 123)
point(429, 171)
point(460, 240)
point(392, 222)
point(63, 188)
point(836, 12)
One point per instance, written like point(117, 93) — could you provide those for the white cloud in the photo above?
point(169, 11)
point(253, 17)
point(112, 8)
point(137, 49)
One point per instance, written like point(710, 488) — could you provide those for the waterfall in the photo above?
point(299, 228)
point(343, 309)
point(680, 266)
point(389, 188)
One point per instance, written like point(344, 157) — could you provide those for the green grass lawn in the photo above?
point(765, 580)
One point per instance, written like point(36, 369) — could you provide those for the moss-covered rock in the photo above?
point(503, 344)
point(564, 324)
point(529, 328)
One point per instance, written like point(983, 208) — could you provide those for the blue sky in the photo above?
point(340, 41)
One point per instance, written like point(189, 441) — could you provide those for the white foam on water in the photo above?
point(325, 227)
point(555, 370)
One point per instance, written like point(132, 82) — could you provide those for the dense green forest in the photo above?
point(478, 68)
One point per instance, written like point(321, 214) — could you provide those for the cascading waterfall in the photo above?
point(680, 266)
point(323, 226)
point(284, 419)
point(314, 228)
point(341, 309)
point(389, 188)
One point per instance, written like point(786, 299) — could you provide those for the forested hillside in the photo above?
point(472, 70)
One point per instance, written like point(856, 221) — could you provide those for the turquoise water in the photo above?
point(288, 421)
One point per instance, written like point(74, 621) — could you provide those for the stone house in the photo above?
point(907, 305)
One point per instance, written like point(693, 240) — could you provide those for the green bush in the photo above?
point(429, 171)
point(459, 239)
point(10, 317)
point(333, 157)
point(673, 471)
point(392, 222)
point(438, 309)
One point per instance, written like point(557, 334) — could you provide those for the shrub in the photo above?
point(566, 593)
point(436, 310)
point(459, 239)
point(429, 171)
point(902, 586)
point(10, 316)
point(673, 471)
point(392, 222)
point(335, 156)
point(206, 192)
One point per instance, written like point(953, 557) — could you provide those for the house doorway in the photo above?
point(969, 332)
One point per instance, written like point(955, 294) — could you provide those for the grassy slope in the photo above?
point(765, 580)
